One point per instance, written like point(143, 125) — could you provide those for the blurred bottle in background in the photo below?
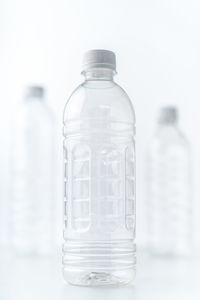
point(169, 197)
point(33, 171)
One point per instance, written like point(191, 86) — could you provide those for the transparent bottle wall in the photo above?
point(169, 197)
point(99, 189)
point(106, 191)
point(33, 182)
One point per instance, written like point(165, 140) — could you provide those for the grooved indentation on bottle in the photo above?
point(110, 186)
point(65, 154)
point(98, 255)
point(130, 187)
point(81, 187)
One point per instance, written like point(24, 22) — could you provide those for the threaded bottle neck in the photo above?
point(99, 74)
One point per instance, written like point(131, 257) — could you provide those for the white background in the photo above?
point(157, 44)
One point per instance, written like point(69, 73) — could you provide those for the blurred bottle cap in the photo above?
point(168, 114)
point(34, 92)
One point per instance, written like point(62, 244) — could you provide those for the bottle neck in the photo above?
point(99, 74)
point(34, 99)
point(168, 123)
point(168, 127)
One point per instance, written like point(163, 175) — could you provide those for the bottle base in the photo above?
point(99, 263)
point(98, 278)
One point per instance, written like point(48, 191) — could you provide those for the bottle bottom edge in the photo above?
point(92, 278)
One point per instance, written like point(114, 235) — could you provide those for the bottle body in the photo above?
point(32, 179)
point(99, 186)
point(169, 199)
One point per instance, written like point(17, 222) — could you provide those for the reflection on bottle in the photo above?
point(33, 179)
point(169, 199)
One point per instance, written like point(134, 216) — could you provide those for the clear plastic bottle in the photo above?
point(169, 198)
point(99, 178)
point(33, 175)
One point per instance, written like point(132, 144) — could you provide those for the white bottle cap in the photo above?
point(99, 59)
point(168, 115)
point(34, 92)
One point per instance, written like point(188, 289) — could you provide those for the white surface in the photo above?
point(37, 279)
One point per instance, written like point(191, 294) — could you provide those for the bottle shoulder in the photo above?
point(97, 99)
point(169, 138)
point(36, 112)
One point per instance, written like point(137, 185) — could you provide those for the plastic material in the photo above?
point(33, 182)
point(169, 198)
point(34, 92)
point(99, 183)
point(99, 59)
point(168, 115)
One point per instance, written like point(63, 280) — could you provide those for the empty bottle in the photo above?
point(99, 178)
point(33, 179)
point(169, 199)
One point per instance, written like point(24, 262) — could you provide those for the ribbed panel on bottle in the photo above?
point(99, 180)
point(99, 200)
point(130, 187)
point(99, 255)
